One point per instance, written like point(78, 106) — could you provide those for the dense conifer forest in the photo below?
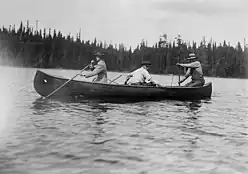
point(25, 46)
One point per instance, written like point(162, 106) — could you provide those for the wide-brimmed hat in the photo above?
point(147, 63)
point(99, 54)
point(191, 56)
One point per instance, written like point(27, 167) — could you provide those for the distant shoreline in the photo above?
point(168, 74)
point(22, 46)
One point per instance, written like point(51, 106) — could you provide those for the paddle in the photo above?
point(180, 68)
point(66, 82)
point(172, 79)
point(115, 79)
point(179, 72)
point(113, 82)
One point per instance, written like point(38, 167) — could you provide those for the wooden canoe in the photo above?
point(44, 84)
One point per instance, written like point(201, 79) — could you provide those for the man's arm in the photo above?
point(148, 78)
point(189, 65)
point(146, 75)
point(96, 71)
point(127, 78)
point(185, 76)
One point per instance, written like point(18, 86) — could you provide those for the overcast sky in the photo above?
point(130, 21)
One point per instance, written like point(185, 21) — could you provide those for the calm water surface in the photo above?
point(37, 136)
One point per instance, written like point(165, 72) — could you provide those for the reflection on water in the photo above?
point(194, 105)
point(53, 107)
point(97, 137)
point(41, 105)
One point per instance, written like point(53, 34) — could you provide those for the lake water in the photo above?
point(59, 137)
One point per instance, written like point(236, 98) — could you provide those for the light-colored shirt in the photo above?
point(140, 75)
point(101, 72)
point(195, 70)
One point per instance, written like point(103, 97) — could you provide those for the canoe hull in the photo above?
point(44, 84)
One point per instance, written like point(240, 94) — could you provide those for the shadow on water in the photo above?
point(194, 105)
point(87, 119)
point(118, 100)
point(190, 125)
point(94, 108)
point(42, 106)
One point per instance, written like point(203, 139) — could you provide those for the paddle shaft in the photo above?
point(172, 79)
point(115, 79)
point(65, 83)
point(113, 82)
point(179, 72)
point(179, 79)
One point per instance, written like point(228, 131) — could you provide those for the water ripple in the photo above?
point(52, 136)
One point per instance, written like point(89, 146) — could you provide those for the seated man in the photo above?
point(141, 76)
point(194, 70)
point(99, 70)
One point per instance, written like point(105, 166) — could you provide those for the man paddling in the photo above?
point(99, 70)
point(194, 70)
point(141, 76)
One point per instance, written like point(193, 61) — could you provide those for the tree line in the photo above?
point(27, 47)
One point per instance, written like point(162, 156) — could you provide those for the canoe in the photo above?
point(44, 84)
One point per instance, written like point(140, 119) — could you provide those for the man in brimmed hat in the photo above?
point(100, 69)
point(141, 76)
point(194, 70)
